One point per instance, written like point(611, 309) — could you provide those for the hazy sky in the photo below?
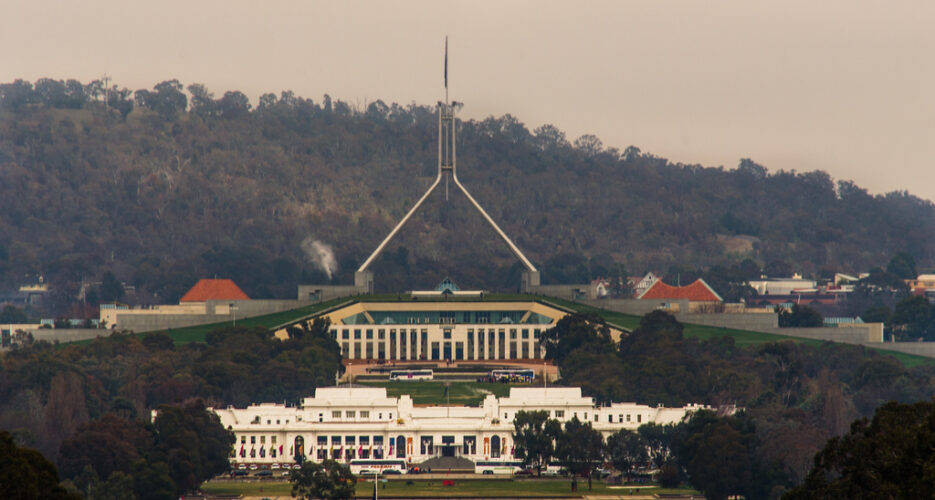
point(842, 86)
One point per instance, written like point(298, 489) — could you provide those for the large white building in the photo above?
point(437, 330)
point(346, 424)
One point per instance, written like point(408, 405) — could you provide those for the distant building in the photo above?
point(699, 291)
point(213, 289)
point(784, 286)
point(640, 284)
point(361, 424)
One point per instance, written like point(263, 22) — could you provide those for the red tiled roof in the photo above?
point(207, 289)
point(699, 291)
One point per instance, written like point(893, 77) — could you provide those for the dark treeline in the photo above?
point(793, 397)
point(86, 407)
point(166, 185)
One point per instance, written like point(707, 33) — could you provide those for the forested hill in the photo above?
point(166, 186)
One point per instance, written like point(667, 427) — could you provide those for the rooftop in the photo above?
point(214, 289)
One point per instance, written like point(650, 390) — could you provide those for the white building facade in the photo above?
point(362, 423)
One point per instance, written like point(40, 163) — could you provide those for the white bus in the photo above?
point(406, 375)
point(380, 466)
point(491, 467)
point(513, 375)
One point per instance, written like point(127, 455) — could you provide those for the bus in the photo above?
point(378, 466)
point(407, 375)
point(490, 467)
point(513, 375)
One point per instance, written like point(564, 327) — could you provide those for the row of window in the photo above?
point(381, 333)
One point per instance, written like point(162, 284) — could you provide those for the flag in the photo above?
point(280, 449)
point(446, 62)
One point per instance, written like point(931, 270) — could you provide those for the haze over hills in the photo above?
point(176, 190)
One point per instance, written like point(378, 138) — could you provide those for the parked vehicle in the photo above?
point(264, 473)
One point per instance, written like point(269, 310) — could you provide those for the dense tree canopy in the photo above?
point(192, 184)
point(891, 456)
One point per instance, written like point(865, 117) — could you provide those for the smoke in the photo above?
point(321, 255)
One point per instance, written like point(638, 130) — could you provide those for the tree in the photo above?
point(534, 436)
point(12, 315)
point(166, 99)
point(589, 144)
point(714, 452)
point(799, 316)
point(903, 265)
point(191, 440)
point(914, 317)
point(26, 474)
point(329, 480)
point(233, 105)
point(111, 289)
point(888, 457)
point(580, 448)
point(626, 450)
point(575, 331)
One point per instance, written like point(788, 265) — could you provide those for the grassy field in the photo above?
point(530, 488)
point(459, 393)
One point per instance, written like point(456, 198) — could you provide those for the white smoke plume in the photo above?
point(321, 255)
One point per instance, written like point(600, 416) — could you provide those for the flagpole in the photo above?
point(446, 70)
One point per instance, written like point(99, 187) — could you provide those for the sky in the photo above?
point(841, 86)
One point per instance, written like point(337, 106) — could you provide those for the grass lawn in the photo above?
point(459, 393)
point(197, 333)
point(434, 488)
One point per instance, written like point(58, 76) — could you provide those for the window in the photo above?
point(272, 439)
point(639, 418)
point(525, 333)
point(628, 417)
point(495, 447)
point(505, 416)
point(277, 421)
point(364, 414)
point(350, 414)
point(336, 414)
point(323, 441)
point(595, 417)
point(585, 415)
point(268, 422)
point(345, 334)
point(621, 418)
point(535, 333)
point(559, 413)
point(252, 439)
point(512, 333)
point(381, 334)
point(426, 443)
point(447, 335)
point(610, 418)
point(379, 416)
point(350, 440)
point(356, 334)
point(369, 334)
point(400, 445)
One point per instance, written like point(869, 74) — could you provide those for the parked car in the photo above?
point(239, 472)
point(296, 467)
point(274, 466)
point(264, 473)
point(242, 467)
point(253, 467)
point(524, 472)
